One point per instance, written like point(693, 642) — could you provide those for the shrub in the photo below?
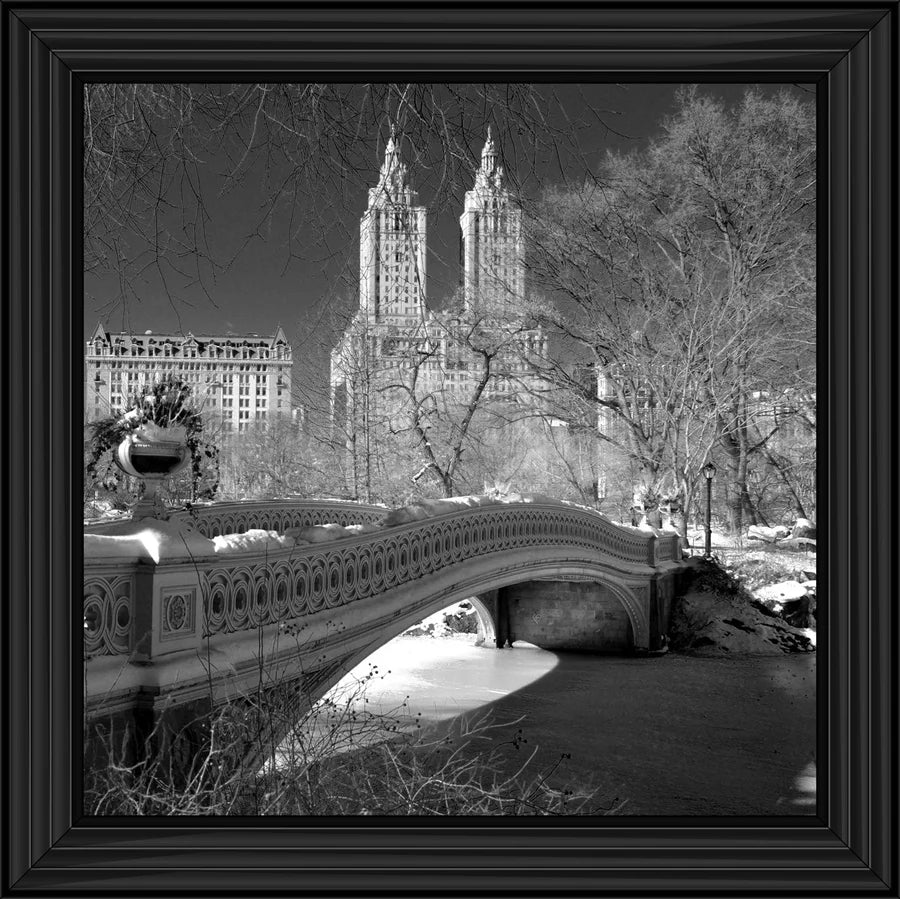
point(339, 759)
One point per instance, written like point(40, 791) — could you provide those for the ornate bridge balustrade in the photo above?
point(201, 622)
point(270, 515)
point(301, 581)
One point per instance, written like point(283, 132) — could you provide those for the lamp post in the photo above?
point(709, 471)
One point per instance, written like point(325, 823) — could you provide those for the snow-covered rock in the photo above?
point(782, 592)
point(445, 623)
point(800, 612)
point(767, 535)
point(717, 617)
point(254, 540)
point(799, 544)
point(148, 538)
point(803, 527)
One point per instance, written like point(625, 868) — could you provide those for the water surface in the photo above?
point(669, 735)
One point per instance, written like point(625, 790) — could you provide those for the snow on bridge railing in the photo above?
point(278, 515)
point(270, 515)
point(241, 590)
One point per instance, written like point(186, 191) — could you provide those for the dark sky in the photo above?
point(267, 285)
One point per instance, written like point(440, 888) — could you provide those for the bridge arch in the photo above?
point(475, 593)
point(324, 680)
point(487, 627)
point(200, 625)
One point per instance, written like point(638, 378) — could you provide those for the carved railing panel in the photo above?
point(108, 612)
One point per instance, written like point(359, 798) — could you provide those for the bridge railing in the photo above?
point(270, 515)
point(187, 601)
point(668, 548)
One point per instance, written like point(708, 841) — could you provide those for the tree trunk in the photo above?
point(782, 474)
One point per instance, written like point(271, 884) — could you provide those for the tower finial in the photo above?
point(393, 172)
point(489, 155)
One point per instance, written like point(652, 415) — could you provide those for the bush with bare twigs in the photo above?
point(339, 758)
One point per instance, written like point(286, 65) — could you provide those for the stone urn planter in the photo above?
point(152, 454)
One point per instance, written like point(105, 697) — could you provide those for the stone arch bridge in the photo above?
point(194, 629)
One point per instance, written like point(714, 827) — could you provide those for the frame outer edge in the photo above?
point(38, 345)
point(884, 851)
point(859, 461)
point(41, 355)
point(65, 403)
point(19, 854)
point(838, 429)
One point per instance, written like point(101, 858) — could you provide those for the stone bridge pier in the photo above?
point(578, 614)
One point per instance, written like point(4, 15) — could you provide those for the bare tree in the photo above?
point(683, 274)
point(157, 157)
point(454, 383)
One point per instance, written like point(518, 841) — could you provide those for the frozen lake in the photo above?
point(672, 735)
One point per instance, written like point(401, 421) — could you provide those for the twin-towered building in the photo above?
point(246, 379)
point(241, 379)
point(395, 338)
point(393, 244)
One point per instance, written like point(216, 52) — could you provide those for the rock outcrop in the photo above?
point(715, 615)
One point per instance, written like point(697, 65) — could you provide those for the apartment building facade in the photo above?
point(240, 380)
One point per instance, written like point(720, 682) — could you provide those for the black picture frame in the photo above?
point(849, 50)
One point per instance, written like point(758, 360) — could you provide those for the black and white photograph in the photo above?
point(450, 449)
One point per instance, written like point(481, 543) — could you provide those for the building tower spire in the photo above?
point(490, 175)
point(490, 229)
point(392, 179)
point(488, 155)
point(392, 245)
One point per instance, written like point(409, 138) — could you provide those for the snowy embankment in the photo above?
point(456, 621)
point(716, 615)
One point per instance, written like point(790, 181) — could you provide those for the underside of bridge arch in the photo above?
point(591, 615)
point(574, 615)
point(588, 614)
